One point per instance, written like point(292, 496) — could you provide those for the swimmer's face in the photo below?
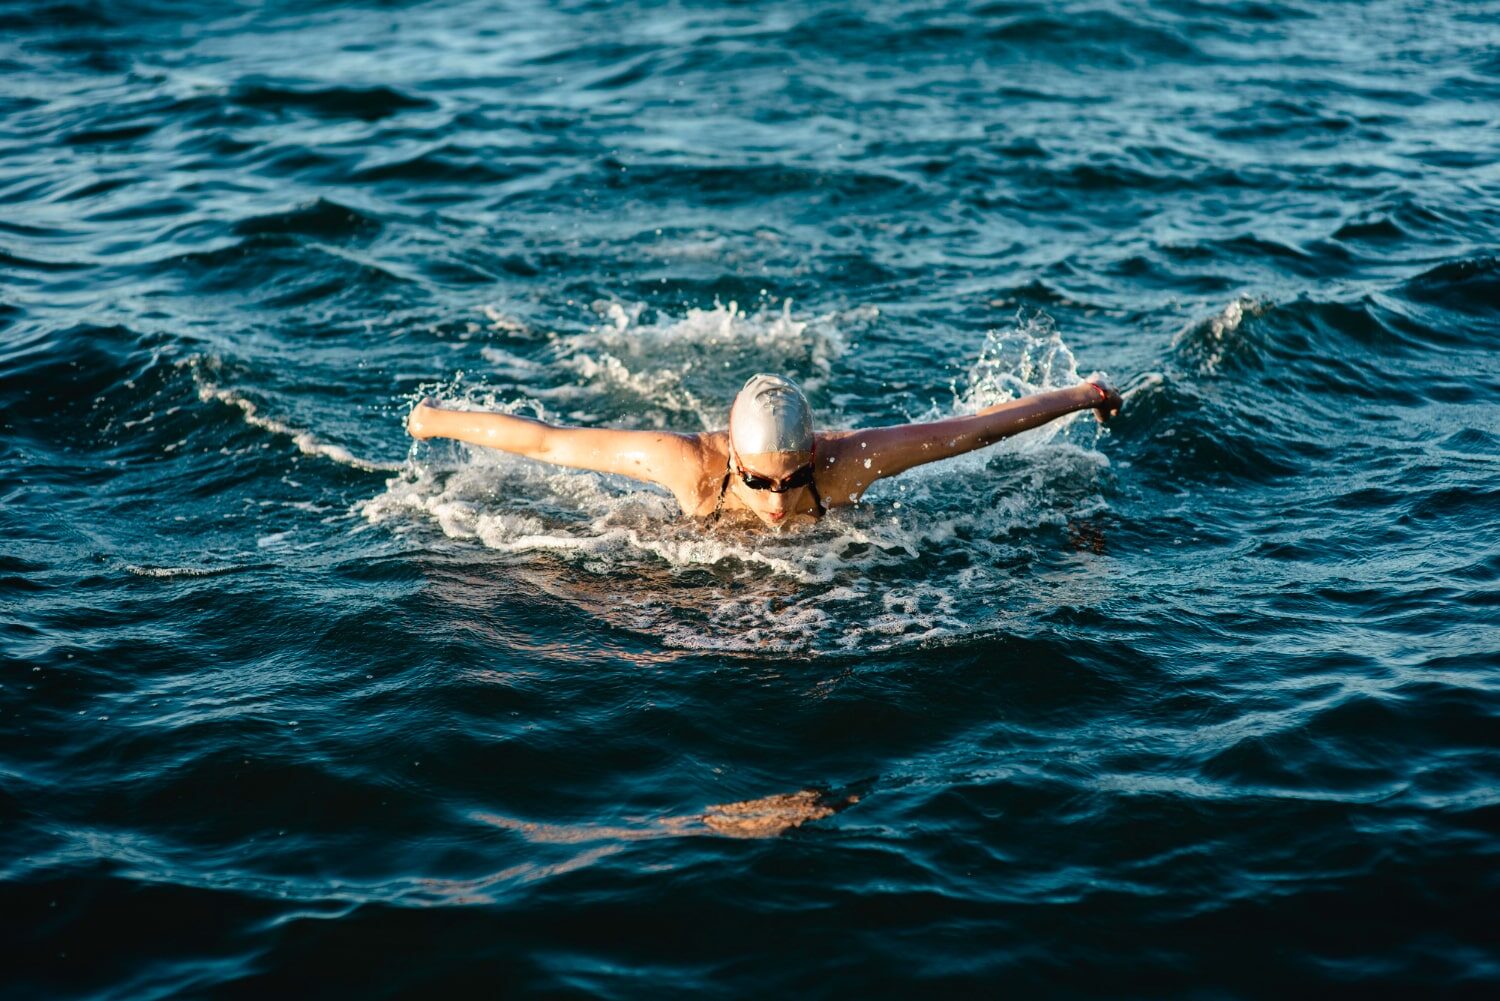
point(775, 473)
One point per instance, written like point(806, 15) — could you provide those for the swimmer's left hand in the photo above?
point(1109, 401)
point(416, 421)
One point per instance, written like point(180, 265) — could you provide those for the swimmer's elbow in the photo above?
point(540, 443)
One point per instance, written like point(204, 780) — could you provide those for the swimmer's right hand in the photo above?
point(416, 421)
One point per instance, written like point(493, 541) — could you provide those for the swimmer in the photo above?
point(769, 462)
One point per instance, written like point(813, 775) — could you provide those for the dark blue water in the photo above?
point(1204, 704)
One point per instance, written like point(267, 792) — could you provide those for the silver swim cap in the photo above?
point(770, 415)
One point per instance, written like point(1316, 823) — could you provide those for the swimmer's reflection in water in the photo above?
point(766, 817)
point(769, 462)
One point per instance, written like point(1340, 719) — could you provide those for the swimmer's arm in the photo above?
point(861, 457)
point(657, 456)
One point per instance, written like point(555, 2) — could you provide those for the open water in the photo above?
point(1203, 704)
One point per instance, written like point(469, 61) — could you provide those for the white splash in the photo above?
point(1212, 337)
point(1023, 359)
point(669, 368)
point(858, 580)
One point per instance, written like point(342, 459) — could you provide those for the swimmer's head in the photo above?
point(770, 414)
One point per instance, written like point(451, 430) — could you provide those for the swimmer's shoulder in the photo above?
point(704, 457)
point(836, 469)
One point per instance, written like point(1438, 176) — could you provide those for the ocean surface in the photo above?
point(1203, 703)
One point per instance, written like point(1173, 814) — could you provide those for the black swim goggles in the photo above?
point(799, 477)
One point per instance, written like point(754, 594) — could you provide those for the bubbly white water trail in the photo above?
point(150, 571)
point(861, 579)
point(307, 442)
